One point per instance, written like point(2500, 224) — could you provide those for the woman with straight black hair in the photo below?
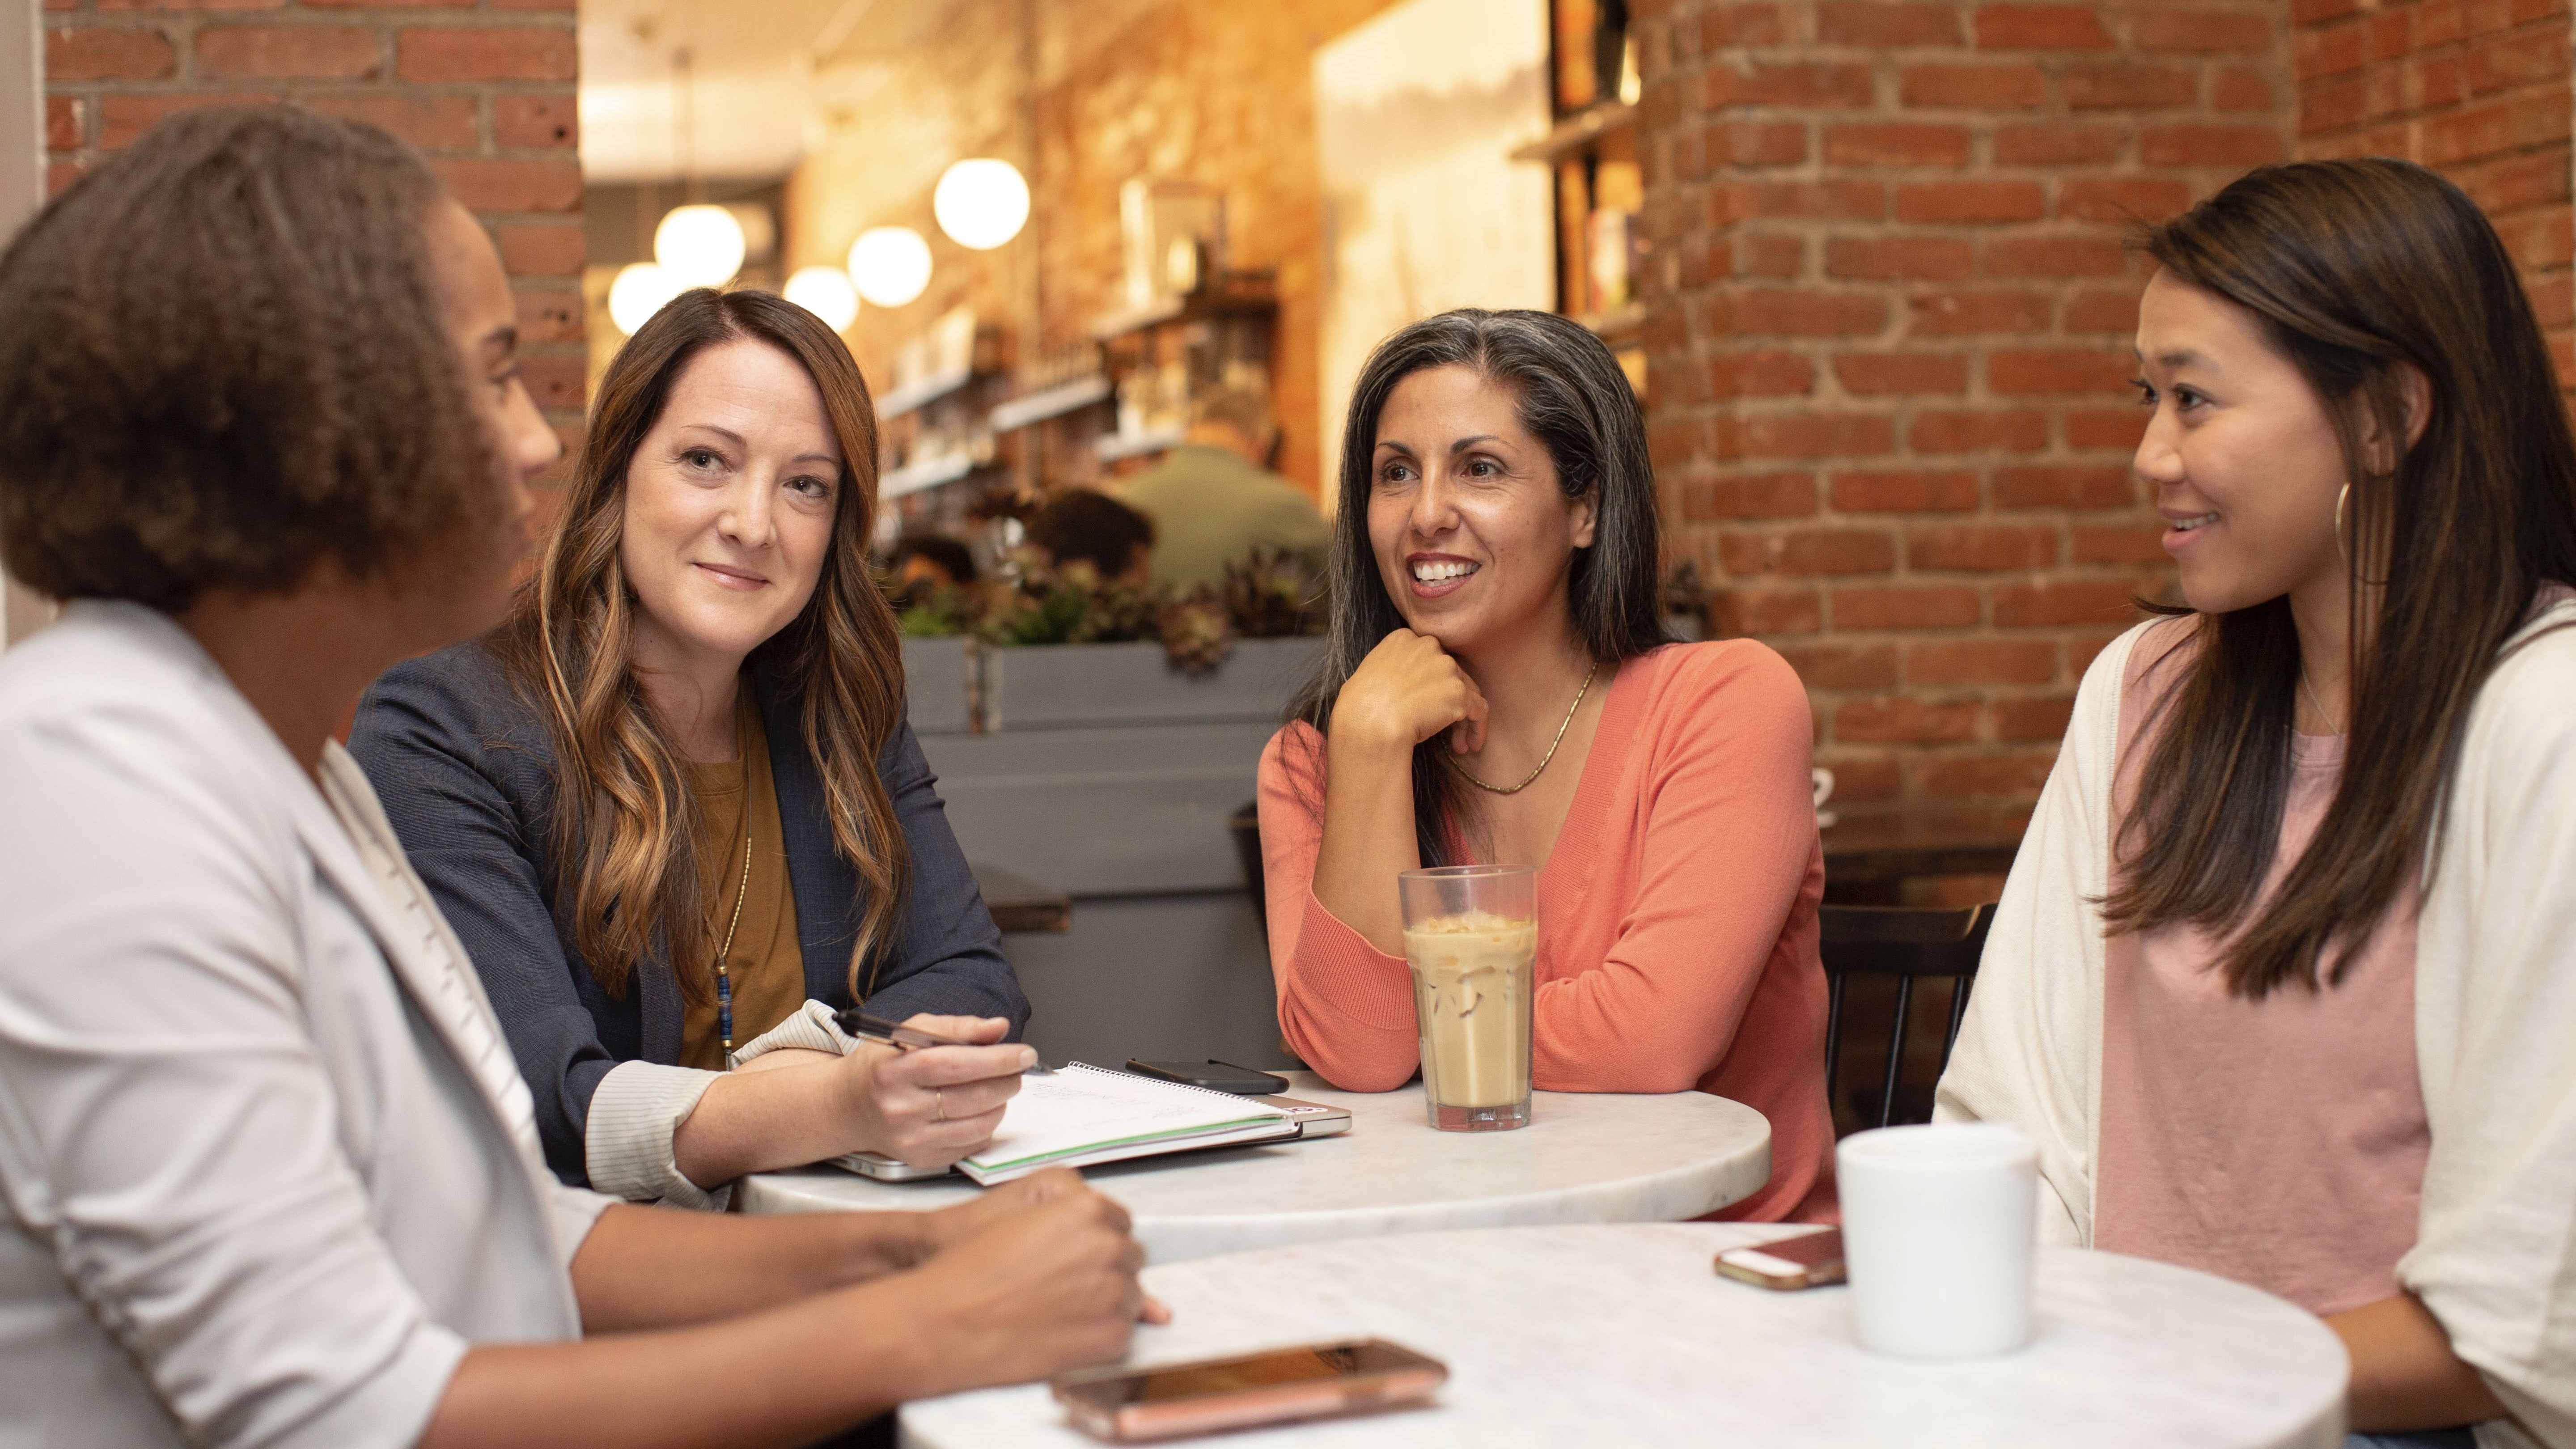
point(1497, 687)
point(2285, 976)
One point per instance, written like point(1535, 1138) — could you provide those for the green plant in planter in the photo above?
point(1039, 603)
point(1270, 596)
point(1032, 601)
point(1196, 633)
point(934, 613)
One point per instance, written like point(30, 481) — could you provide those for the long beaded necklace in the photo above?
point(724, 978)
point(1551, 745)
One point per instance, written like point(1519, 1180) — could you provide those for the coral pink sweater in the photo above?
point(1677, 914)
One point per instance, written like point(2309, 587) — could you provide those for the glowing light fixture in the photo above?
point(981, 203)
point(826, 292)
point(890, 264)
point(700, 245)
point(641, 289)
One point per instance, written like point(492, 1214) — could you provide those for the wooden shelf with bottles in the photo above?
point(1600, 188)
point(1160, 357)
point(937, 452)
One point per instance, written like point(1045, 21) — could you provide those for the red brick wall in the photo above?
point(1889, 320)
point(484, 89)
point(2475, 89)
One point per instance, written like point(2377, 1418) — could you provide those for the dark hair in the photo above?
point(953, 558)
point(2357, 270)
point(226, 359)
point(1079, 525)
point(1574, 399)
point(626, 830)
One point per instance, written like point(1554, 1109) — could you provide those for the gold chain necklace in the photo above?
point(724, 980)
point(1551, 745)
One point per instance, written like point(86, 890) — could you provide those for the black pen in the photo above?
point(895, 1034)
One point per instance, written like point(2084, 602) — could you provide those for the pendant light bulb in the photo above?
point(700, 245)
point(981, 203)
point(826, 292)
point(641, 289)
point(890, 265)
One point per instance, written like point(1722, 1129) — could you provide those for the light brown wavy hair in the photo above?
point(626, 829)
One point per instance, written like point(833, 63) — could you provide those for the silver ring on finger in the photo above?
point(939, 1095)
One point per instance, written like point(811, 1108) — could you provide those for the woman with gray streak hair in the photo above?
point(1497, 689)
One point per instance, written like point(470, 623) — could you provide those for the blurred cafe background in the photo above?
point(1862, 260)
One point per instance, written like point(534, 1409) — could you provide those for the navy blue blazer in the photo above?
point(466, 770)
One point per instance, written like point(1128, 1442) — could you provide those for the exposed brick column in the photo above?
point(1889, 332)
point(2477, 90)
point(483, 87)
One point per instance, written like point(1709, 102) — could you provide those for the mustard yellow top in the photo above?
point(766, 965)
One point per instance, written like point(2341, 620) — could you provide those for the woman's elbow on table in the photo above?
point(1381, 1070)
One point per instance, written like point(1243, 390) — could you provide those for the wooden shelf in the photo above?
point(1578, 131)
point(1114, 446)
point(929, 390)
point(1238, 294)
point(1051, 402)
point(1619, 324)
point(928, 473)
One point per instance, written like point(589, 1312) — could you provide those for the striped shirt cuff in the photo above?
point(626, 1144)
point(810, 1027)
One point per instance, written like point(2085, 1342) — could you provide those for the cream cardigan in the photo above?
point(2495, 1020)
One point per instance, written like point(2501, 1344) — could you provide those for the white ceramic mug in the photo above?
point(1939, 1230)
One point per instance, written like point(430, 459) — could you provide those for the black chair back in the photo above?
point(1906, 943)
point(1245, 826)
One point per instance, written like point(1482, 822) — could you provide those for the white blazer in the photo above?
point(2495, 1019)
point(268, 1165)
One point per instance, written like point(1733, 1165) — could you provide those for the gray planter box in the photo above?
point(1064, 686)
point(1104, 773)
point(937, 675)
point(1112, 810)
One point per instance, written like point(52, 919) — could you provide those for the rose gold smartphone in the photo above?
point(1127, 1405)
point(1809, 1260)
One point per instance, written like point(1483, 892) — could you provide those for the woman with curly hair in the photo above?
point(272, 1177)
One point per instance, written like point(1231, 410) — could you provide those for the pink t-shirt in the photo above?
point(2278, 1142)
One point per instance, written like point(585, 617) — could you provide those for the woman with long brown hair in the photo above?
point(2285, 975)
point(672, 804)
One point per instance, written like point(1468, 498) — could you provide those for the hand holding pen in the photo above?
point(934, 1086)
point(927, 1031)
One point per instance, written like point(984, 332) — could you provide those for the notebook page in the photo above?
point(1082, 1108)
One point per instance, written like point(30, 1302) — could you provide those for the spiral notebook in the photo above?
point(1085, 1114)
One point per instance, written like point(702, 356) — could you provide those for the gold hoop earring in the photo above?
point(2340, 499)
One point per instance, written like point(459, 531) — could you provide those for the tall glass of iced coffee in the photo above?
point(1471, 936)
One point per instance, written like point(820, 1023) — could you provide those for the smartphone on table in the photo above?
point(1809, 1260)
point(1214, 1075)
point(1126, 1406)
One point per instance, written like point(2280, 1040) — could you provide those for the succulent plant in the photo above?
point(1196, 633)
point(1031, 600)
point(1271, 596)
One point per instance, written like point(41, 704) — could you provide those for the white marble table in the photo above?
point(1585, 1158)
point(1624, 1335)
